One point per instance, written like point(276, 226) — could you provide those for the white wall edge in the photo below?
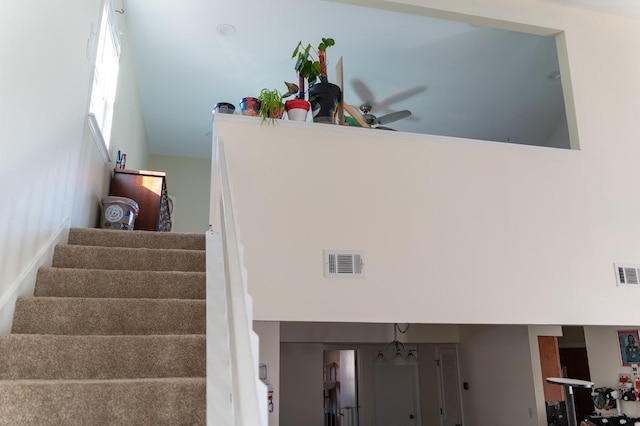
point(26, 280)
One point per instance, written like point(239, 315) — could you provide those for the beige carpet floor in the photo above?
point(114, 334)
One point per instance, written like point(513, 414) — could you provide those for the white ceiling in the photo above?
point(480, 82)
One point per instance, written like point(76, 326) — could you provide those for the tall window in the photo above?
point(105, 78)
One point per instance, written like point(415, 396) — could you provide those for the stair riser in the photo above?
point(160, 240)
point(123, 259)
point(130, 402)
point(79, 316)
point(101, 357)
point(96, 283)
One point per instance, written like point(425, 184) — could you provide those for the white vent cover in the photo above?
point(627, 275)
point(343, 264)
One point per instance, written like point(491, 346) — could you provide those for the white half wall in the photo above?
point(449, 227)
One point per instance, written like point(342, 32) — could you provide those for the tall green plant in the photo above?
point(309, 67)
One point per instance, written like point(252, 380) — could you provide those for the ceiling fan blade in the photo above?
point(394, 116)
point(400, 96)
point(363, 92)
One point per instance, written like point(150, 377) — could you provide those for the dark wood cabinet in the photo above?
point(149, 190)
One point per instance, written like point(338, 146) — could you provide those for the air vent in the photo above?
point(343, 263)
point(627, 275)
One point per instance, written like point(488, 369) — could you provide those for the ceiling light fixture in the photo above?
point(226, 30)
point(401, 355)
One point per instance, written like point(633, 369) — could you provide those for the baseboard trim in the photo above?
point(25, 282)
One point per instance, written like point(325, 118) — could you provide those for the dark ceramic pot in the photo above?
point(324, 98)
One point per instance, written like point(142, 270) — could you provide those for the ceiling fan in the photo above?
point(379, 122)
point(369, 103)
point(366, 95)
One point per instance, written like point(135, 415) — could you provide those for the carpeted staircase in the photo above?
point(114, 334)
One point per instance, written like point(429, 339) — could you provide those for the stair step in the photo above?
point(71, 282)
point(139, 239)
point(118, 258)
point(100, 402)
point(88, 316)
point(35, 356)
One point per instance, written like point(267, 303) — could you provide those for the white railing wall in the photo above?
point(235, 394)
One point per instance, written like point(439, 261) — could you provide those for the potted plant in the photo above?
point(297, 109)
point(271, 106)
point(323, 96)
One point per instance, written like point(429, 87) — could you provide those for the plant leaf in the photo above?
point(295, 52)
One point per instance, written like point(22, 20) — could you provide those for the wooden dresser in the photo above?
point(149, 190)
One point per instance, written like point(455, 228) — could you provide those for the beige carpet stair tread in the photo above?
point(72, 282)
point(124, 258)
point(89, 316)
point(174, 401)
point(34, 356)
point(114, 334)
point(138, 239)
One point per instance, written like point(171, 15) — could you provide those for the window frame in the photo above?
point(106, 44)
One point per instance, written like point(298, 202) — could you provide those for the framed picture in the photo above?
point(629, 350)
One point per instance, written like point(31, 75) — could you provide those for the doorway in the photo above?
point(574, 364)
point(340, 388)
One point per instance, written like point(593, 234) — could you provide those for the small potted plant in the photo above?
point(271, 106)
point(323, 96)
point(297, 109)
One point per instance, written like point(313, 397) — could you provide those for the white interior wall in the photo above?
point(499, 215)
point(496, 362)
point(545, 221)
point(128, 133)
point(301, 381)
point(53, 175)
point(269, 333)
point(188, 180)
point(332, 332)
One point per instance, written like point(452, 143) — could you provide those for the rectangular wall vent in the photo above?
point(627, 275)
point(343, 263)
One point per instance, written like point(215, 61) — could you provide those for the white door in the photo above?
point(396, 400)
point(449, 386)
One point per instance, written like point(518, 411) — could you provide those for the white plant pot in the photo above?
point(299, 111)
point(297, 114)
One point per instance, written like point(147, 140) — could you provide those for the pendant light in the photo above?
point(402, 355)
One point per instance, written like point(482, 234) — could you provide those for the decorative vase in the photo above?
point(324, 98)
point(297, 109)
point(250, 106)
